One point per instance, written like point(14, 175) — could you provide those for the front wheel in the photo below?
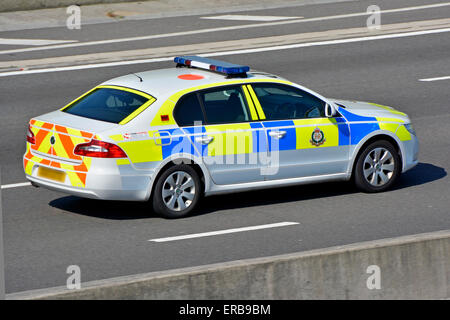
point(378, 167)
point(177, 192)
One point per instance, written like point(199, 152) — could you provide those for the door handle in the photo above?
point(277, 134)
point(204, 139)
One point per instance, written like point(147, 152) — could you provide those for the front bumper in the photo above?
point(411, 153)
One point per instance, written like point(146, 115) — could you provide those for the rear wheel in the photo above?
point(378, 167)
point(177, 192)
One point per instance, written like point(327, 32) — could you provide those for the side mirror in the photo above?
point(330, 111)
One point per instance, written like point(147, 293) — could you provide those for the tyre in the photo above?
point(177, 192)
point(377, 167)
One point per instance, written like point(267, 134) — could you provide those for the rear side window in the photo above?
point(188, 111)
point(107, 104)
point(225, 105)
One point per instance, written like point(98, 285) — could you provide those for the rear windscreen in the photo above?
point(106, 104)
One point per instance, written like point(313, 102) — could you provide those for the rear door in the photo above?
point(228, 134)
point(303, 141)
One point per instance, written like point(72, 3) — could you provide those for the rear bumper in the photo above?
point(105, 180)
point(102, 194)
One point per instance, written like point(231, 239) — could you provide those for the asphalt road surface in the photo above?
point(45, 231)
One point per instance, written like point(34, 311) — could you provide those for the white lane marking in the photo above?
point(32, 42)
point(227, 53)
point(243, 17)
point(215, 233)
point(435, 79)
point(209, 30)
point(15, 185)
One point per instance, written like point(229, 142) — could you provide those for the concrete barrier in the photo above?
point(411, 267)
point(16, 5)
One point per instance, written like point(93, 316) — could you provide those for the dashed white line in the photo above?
point(435, 79)
point(243, 17)
point(227, 231)
point(15, 185)
point(229, 28)
point(227, 53)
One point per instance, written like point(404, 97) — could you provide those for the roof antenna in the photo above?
point(140, 79)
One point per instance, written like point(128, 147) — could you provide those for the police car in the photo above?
point(207, 127)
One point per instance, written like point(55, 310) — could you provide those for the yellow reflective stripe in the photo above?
point(230, 139)
point(75, 179)
point(313, 121)
point(250, 103)
point(80, 97)
point(136, 112)
point(121, 162)
point(392, 127)
point(117, 137)
point(142, 150)
point(145, 95)
point(165, 109)
point(29, 167)
point(261, 114)
point(178, 95)
point(328, 126)
point(403, 134)
point(389, 120)
point(169, 104)
point(391, 110)
point(389, 124)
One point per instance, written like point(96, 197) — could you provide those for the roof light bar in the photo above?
point(211, 64)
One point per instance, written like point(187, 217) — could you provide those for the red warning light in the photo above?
point(190, 77)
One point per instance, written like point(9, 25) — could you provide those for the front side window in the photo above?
point(107, 104)
point(224, 105)
point(285, 102)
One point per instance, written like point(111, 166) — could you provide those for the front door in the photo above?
point(300, 138)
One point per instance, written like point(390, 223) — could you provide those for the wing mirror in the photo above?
point(330, 111)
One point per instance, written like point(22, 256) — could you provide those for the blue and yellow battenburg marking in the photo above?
point(254, 137)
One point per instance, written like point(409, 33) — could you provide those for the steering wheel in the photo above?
point(285, 110)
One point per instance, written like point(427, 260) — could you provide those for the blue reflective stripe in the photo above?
point(259, 138)
point(344, 135)
point(178, 143)
point(360, 130)
point(280, 123)
point(288, 142)
point(353, 117)
point(360, 126)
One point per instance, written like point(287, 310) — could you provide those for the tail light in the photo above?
point(30, 136)
point(99, 149)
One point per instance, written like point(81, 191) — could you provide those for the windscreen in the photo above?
point(107, 104)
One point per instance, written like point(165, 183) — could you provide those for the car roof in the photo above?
point(165, 82)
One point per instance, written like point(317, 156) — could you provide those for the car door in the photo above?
point(300, 137)
point(229, 136)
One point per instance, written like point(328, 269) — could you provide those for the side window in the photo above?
point(285, 102)
point(225, 105)
point(188, 111)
